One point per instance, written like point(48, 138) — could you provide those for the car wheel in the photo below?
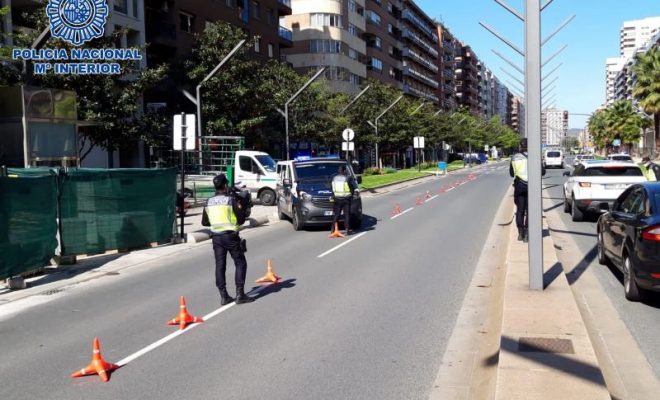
point(297, 223)
point(567, 205)
point(280, 214)
point(630, 288)
point(576, 214)
point(602, 258)
point(267, 197)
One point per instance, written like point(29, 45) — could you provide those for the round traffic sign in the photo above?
point(348, 134)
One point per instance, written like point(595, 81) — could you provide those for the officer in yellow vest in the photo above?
point(652, 171)
point(224, 215)
point(342, 191)
point(518, 170)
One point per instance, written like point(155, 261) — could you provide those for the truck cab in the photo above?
point(257, 171)
point(304, 192)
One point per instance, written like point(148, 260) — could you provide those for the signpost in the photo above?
point(418, 143)
point(184, 139)
point(348, 145)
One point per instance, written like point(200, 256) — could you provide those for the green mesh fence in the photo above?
point(107, 209)
point(28, 221)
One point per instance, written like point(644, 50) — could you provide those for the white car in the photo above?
point(620, 157)
point(595, 182)
point(582, 157)
point(553, 158)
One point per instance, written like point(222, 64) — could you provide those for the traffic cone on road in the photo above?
point(442, 189)
point(184, 318)
point(418, 201)
point(397, 210)
point(336, 233)
point(428, 195)
point(270, 276)
point(97, 366)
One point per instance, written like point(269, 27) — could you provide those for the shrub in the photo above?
point(390, 171)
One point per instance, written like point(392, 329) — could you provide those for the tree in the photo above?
point(598, 128)
point(622, 122)
point(647, 87)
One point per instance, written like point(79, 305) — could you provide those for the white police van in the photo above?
point(304, 191)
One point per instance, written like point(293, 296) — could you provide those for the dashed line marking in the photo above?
point(341, 245)
point(430, 198)
point(402, 212)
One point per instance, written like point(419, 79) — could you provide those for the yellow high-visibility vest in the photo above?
point(649, 174)
point(221, 214)
point(340, 187)
point(519, 163)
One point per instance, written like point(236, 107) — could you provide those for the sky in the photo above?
point(591, 37)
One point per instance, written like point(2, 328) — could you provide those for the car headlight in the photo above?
point(304, 196)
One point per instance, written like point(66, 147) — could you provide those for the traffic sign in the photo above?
point(486, 148)
point(616, 142)
point(347, 146)
point(418, 142)
point(348, 134)
point(186, 131)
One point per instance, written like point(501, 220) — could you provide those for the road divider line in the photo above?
point(175, 334)
point(431, 198)
point(402, 212)
point(343, 244)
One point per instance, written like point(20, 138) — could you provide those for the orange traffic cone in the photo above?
point(270, 276)
point(418, 201)
point(184, 318)
point(97, 366)
point(336, 233)
point(442, 189)
point(428, 195)
point(397, 210)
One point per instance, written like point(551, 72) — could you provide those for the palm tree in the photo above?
point(598, 130)
point(647, 87)
point(622, 122)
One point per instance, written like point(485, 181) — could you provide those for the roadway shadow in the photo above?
point(582, 266)
point(574, 233)
point(546, 187)
point(508, 223)
point(542, 356)
point(650, 299)
point(553, 207)
point(550, 275)
point(274, 288)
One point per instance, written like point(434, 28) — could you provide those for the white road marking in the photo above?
point(343, 244)
point(450, 189)
point(172, 335)
point(401, 213)
point(431, 198)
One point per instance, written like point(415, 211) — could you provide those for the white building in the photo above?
point(554, 126)
point(613, 66)
point(635, 34)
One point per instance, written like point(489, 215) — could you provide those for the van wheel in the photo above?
point(297, 224)
point(267, 197)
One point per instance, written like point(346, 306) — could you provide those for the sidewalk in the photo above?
point(545, 350)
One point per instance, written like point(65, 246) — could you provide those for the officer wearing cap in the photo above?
point(224, 214)
point(652, 170)
point(343, 188)
point(518, 170)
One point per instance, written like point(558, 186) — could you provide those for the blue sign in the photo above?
point(616, 142)
point(442, 165)
point(77, 21)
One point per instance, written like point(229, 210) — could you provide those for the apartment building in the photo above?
point(625, 80)
point(449, 46)
point(554, 126)
point(517, 121)
point(384, 37)
point(172, 24)
point(467, 79)
point(635, 34)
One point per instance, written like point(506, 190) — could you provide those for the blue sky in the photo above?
point(591, 37)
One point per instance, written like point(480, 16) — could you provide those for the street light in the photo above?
point(418, 108)
point(375, 126)
point(285, 113)
point(355, 99)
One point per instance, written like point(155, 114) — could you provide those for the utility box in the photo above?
point(38, 127)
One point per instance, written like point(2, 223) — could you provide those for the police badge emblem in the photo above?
point(77, 21)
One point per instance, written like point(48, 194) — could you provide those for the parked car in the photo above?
point(553, 158)
point(597, 181)
point(304, 192)
point(582, 157)
point(620, 157)
point(629, 238)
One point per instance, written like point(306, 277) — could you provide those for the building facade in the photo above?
point(467, 79)
point(635, 34)
point(554, 126)
point(449, 46)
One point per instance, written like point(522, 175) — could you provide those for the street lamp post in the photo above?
point(285, 113)
point(375, 126)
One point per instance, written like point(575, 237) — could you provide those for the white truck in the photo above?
point(255, 170)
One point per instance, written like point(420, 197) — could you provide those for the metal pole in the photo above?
point(286, 128)
point(184, 132)
point(376, 127)
point(199, 127)
point(533, 134)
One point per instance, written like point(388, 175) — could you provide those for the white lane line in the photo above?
point(450, 189)
point(341, 245)
point(431, 198)
point(401, 213)
point(172, 335)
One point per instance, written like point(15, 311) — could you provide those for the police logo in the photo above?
point(77, 21)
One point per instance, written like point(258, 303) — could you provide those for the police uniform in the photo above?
point(518, 170)
point(342, 192)
point(652, 172)
point(224, 216)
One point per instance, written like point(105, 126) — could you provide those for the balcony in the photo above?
point(407, 71)
point(284, 7)
point(419, 93)
point(411, 17)
point(421, 60)
point(286, 35)
point(408, 34)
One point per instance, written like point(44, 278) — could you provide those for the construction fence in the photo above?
point(46, 212)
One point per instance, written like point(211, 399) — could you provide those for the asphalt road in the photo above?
point(642, 319)
point(369, 320)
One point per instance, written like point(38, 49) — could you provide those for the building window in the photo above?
point(270, 16)
point(335, 74)
point(353, 30)
point(230, 3)
point(324, 46)
point(121, 6)
point(390, 8)
point(390, 28)
point(187, 22)
point(392, 73)
point(256, 11)
point(271, 51)
point(257, 44)
point(373, 17)
point(354, 79)
point(352, 53)
point(376, 64)
point(326, 20)
point(135, 8)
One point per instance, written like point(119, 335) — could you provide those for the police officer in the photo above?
point(342, 190)
point(518, 170)
point(652, 172)
point(224, 214)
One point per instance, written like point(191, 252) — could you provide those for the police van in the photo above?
point(304, 191)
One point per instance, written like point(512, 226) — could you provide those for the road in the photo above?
point(642, 319)
point(367, 320)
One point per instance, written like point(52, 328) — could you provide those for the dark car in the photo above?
point(304, 192)
point(629, 238)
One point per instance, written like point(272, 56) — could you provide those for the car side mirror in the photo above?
point(603, 207)
point(287, 183)
point(566, 173)
point(359, 180)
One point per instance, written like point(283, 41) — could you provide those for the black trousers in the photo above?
point(520, 198)
point(339, 205)
point(228, 243)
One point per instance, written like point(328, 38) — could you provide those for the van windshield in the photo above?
point(267, 162)
point(316, 171)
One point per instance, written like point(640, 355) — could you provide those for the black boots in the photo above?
point(521, 233)
point(526, 236)
point(241, 297)
point(225, 298)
